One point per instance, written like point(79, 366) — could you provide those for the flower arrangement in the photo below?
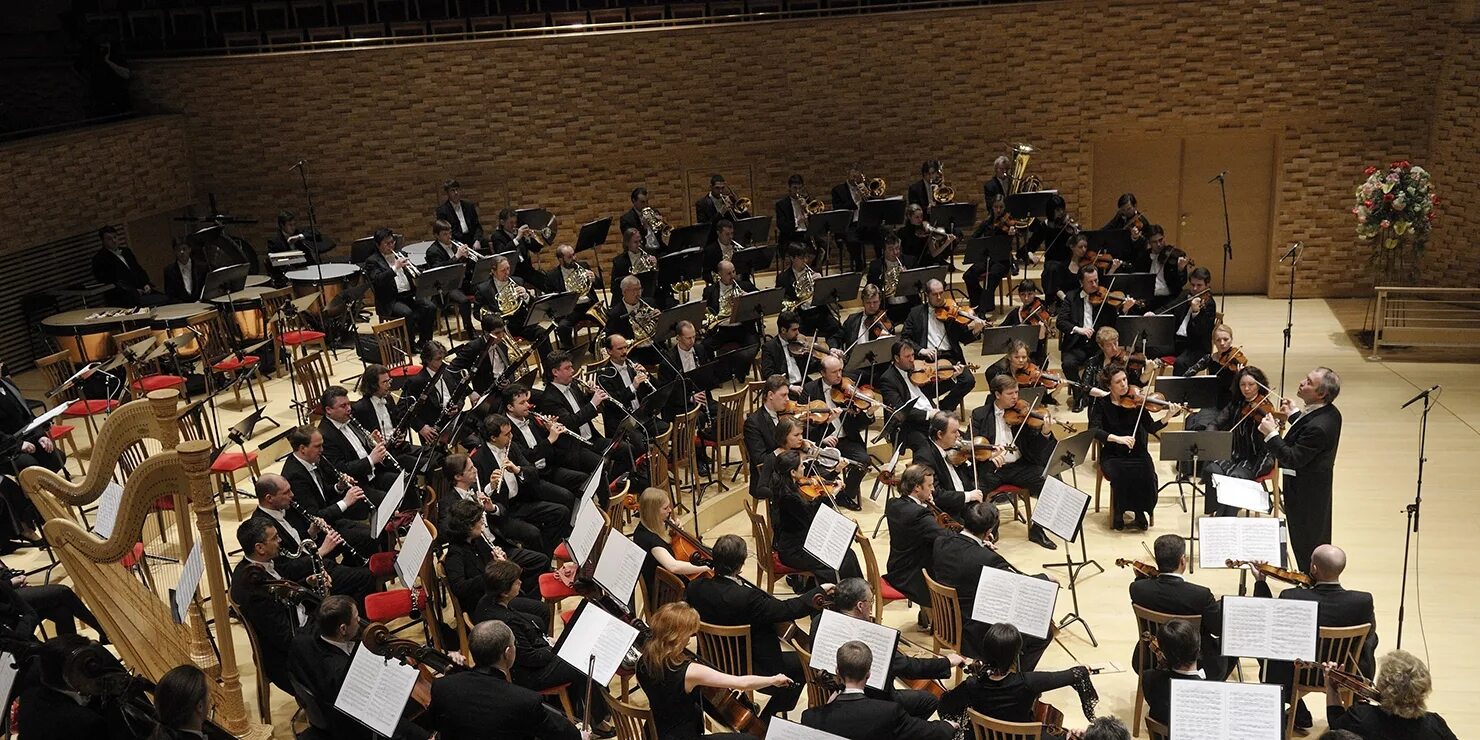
point(1395, 209)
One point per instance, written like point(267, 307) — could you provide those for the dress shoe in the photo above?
point(1037, 536)
point(923, 621)
point(851, 504)
point(1140, 522)
point(795, 583)
point(1118, 523)
point(704, 470)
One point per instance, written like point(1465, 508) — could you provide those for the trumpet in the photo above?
point(411, 269)
point(543, 236)
point(469, 251)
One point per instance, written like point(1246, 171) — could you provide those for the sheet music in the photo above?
point(595, 632)
point(1226, 538)
point(50, 414)
point(1060, 508)
point(375, 691)
point(1242, 493)
point(388, 506)
point(8, 672)
point(1023, 601)
point(1215, 710)
point(414, 548)
point(189, 581)
point(834, 629)
point(585, 530)
point(1279, 629)
point(782, 729)
point(618, 567)
point(108, 510)
point(830, 536)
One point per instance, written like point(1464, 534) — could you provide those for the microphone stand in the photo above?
point(1227, 240)
point(1294, 255)
point(313, 225)
point(1413, 508)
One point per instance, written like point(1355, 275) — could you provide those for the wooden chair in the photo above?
point(667, 589)
point(394, 346)
point(1339, 645)
point(287, 324)
point(1156, 730)
point(460, 618)
point(729, 432)
point(193, 425)
point(56, 368)
point(631, 722)
point(218, 354)
point(264, 687)
point(1148, 620)
point(767, 565)
point(142, 376)
point(987, 728)
point(660, 471)
point(1017, 495)
point(683, 431)
point(816, 694)
point(1100, 479)
point(313, 379)
point(883, 592)
point(945, 617)
point(727, 648)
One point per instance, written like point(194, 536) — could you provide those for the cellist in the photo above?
point(653, 510)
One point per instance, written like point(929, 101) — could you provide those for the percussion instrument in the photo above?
point(248, 308)
point(85, 333)
point(257, 281)
point(336, 277)
point(169, 322)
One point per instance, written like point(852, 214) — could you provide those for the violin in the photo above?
point(428, 661)
point(1115, 298)
point(880, 325)
point(978, 449)
point(1153, 645)
point(850, 394)
point(1033, 313)
point(1231, 359)
point(1292, 577)
point(815, 412)
point(1137, 363)
point(1136, 223)
point(949, 311)
point(928, 372)
point(1137, 397)
point(815, 488)
point(1359, 685)
point(1144, 570)
point(1102, 260)
point(818, 348)
point(1019, 414)
point(1031, 375)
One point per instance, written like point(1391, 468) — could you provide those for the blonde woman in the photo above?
point(1403, 684)
point(653, 510)
point(671, 677)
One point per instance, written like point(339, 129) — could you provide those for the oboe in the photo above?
point(328, 530)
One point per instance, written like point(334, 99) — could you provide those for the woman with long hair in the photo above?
point(653, 510)
point(1123, 432)
point(1403, 685)
point(1003, 692)
point(671, 676)
point(469, 553)
point(791, 517)
point(1251, 458)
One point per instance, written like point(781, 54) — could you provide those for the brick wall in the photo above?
point(1454, 256)
point(572, 123)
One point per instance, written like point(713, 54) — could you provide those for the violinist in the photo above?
point(271, 620)
point(536, 666)
point(1082, 314)
point(866, 325)
point(466, 704)
point(727, 599)
point(1007, 690)
point(1066, 273)
point(670, 677)
point(654, 507)
point(1122, 422)
point(1110, 353)
point(1129, 217)
point(1251, 458)
point(1171, 593)
point(982, 277)
point(728, 334)
point(1196, 312)
point(884, 273)
point(1166, 262)
point(845, 431)
point(1031, 310)
point(1403, 684)
point(1179, 644)
point(791, 517)
point(760, 429)
point(955, 483)
point(927, 244)
point(469, 552)
point(854, 715)
point(914, 527)
point(777, 356)
point(320, 661)
point(958, 563)
point(1224, 361)
point(941, 338)
point(1053, 234)
point(1023, 466)
point(908, 403)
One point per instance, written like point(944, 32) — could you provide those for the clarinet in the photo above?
point(327, 530)
point(389, 458)
point(342, 481)
point(318, 588)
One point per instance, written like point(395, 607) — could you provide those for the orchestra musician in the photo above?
point(115, 264)
point(1179, 644)
point(1109, 353)
point(347, 574)
point(760, 430)
point(983, 277)
point(913, 531)
point(465, 519)
point(289, 237)
point(1336, 606)
point(20, 451)
point(637, 264)
point(1251, 457)
point(654, 507)
point(1023, 466)
point(1403, 684)
point(444, 250)
point(685, 355)
point(1000, 186)
point(921, 242)
point(919, 192)
point(1196, 313)
point(883, 273)
point(942, 340)
point(315, 488)
point(563, 463)
point(791, 214)
point(1166, 262)
point(671, 677)
point(538, 511)
point(1078, 320)
point(512, 297)
point(273, 621)
point(1053, 234)
point(791, 518)
point(718, 202)
point(486, 358)
point(350, 450)
point(467, 703)
point(23, 606)
point(855, 598)
point(377, 410)
point(1307, 455)
point(1171, 593)
point(909, 404)
point(868, 324)
point(632, 219)
point(1014, 359)
point(184, 278)
point(798, 285)
point(49, 707)
point(575, 404)
point(391, 273)
point(849, 195)
point(1031, 309)
point(855, 716)
point(510, 236)
point(1066, 273)
point(1009, 688)
point(957, 561)
point(727, 333)
point(567, 276)
point(1123, 427)
point(723, 249)
point(625, 306)
point(628, 384)
point(460, 215)
point(440, 384)
point(777, 358)
point(728, 600)
point(182, 699)
point(845, 431)
point(1129, 217)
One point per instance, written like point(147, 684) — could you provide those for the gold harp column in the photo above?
point(165, 402)
point(195, 457)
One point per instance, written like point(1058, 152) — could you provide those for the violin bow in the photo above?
point(1096, 320)
point(1024, 425)
point(971, 449)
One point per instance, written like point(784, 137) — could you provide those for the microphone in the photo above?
point(86, 370)
point(1292, 250)
point(1421, 394)
point(1219, 176)
point(298, 165)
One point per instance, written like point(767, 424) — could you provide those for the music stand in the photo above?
point(870, 354)
point(833, 223)
point(684, 265)
point(1159, 331)
point(224, 281)
point(752, 231)
point(437, 281)
point(1116, 241)
point(480, 271)
point(1138, 285)
point(995, 248)
point(1200, 392)
point(361, 249)
point(534, 218)
point(953, 216)
point(758, 305)
point(996, 339)
point(593, 234)
point(879, 211)
point(1032, 203)
point(912, 282)
point(687, 237)
point(1032, 394)
point(839, 288)
point(1068, 454)
point(750, 260)
point(1190, 447)
point(666, 324)
point(552, 306)
point(1072, 569)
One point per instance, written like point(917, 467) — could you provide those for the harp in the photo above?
point(138, 621)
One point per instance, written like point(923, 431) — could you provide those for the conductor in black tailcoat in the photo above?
point(1307, 456)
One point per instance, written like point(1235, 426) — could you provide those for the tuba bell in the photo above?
point(1021, 182)
point(875, 186)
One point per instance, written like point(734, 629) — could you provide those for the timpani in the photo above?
point(170, 322)
point(248, 308)
point(86, 334)
point(257, 281)
point(336, 277)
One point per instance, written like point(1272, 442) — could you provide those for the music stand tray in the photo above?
point(1199, 392)
point(1033, 395)
point(1160, 333)
point(953, 216)
point(438, 280)
point(666, 325)
point(224, 280)
point(1193, 447)
point(750, 260)
point(1115, 241)
point(1138, 285)
point(680, 265)
point(996, 339)
point(1032, 203)
point(912, 282)
point(753, 231)
point(684, 238)
point(871, 353)
point(830, 289)
point(758, 305)
point(593, 234)
point(880, 211)
point(551, 306)
point(995, 248)
point(828, 222)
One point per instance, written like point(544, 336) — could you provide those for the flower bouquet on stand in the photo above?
point(1395, 210)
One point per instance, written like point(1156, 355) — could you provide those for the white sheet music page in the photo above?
point(108, 510)
point(1241, 492)
point(1023, 601)
point(830, 536)
point(388, 506)
point(50, 414)
point(414, 548)
point(189, 581)
point(1277, 629)
point(834, 629)
point(594, 632)
point(1215, 710)
point(781, 729)
point(618, 566)
point(588, 492)
point(375, 691)
point(8, 672)
point(585, 530)
point(1060, 508)
point(1225, 538)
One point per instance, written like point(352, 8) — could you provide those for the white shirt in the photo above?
point(979, 541)
point(956, 484)
point(1182, 329)
point(284, 526)
point(354, 439)
point(496, 358)
point(575, 405)
point(521, 426)
point(686, 359)
point(793, 373)
point(916, 395)
point(313, 472)
point(728, 250)
point(836, 423)
point(301, 613)
point(187, 276)
point(1158, 262)
point(509, 479)
point(382, 415)
point(625, 374)
point(118, 252)
point(1003, 435)
point(1088, 320)
point(403, 281)
point(462, 219)
point(935, 332)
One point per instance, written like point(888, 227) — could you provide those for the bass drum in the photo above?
point(218, 249)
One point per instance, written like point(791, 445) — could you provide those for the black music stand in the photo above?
point(480, 271)
point(752, 231)
point(954, 217)
point(1157, 331)
point(1116, 241)
point(666, 324)
point(224, 281)
point(840, 288)
point(551, 306)
point(534, 218)
point(1189, 447)
point(996, 339)
point(1033, 395)
point(758, 305)
point(437, 281)
point(1068, 454)
point(912, 282)
point(685, 265)
point(995, 248)
point(361, 249)
point(1199, 392)
point(593, 234)
point(828, 223)
point(879, 211)
point(869, 355)
point(750, 260)
point(1138, 285)
point(1032, 203)
point(1071, 568)
point(687, 237)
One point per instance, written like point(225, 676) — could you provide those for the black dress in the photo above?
point(1131, 472)
point(1370, 721)
point(1251, 458)
point(1009, 698)
point(791, 517)
point(677, 714)
point(647, 540)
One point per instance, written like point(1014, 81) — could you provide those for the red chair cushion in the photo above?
point(157, 382)
point(165, 503)
point(132, 557)
point(780, 568)
point(57, 431)
point(404, 371)
point(889, 592)
point(552, 589)
point(566, 615)
point(88, 408)
point(1006, 488)
point(562, 552)
point(387, 605)
point(383, 565)
point(301, 336)
point(232, 363)
point(230, 462)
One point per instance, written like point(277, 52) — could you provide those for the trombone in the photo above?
point(813, 206)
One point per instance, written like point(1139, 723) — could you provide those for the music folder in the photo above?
point(1061, 509)
point(758, 305)
point(593, 633)
point(1273, 629)
point(996, 339)
point(1219, 710)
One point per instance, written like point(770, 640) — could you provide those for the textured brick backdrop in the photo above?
point(573, 123)
point(1455, 257)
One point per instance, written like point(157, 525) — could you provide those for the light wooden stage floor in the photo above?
point(1375, 478)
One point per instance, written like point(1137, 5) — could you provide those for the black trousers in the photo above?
point(59, 605)
point(535, 523)
point(726, 338)
point(784, 698)
point(420, 315)
point(794, 556)
point(857, 451)
point(460, 297)
point(950, 393)
point(558, 672)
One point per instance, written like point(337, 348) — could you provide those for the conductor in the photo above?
point(1306, 455)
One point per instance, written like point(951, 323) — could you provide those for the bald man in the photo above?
point(1336, 606)
point(844, 431)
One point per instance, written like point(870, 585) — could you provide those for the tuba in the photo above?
point(875, 187)
point(655, 223)
point(1021, 183)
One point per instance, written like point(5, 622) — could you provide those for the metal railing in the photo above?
point(1426, 317)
